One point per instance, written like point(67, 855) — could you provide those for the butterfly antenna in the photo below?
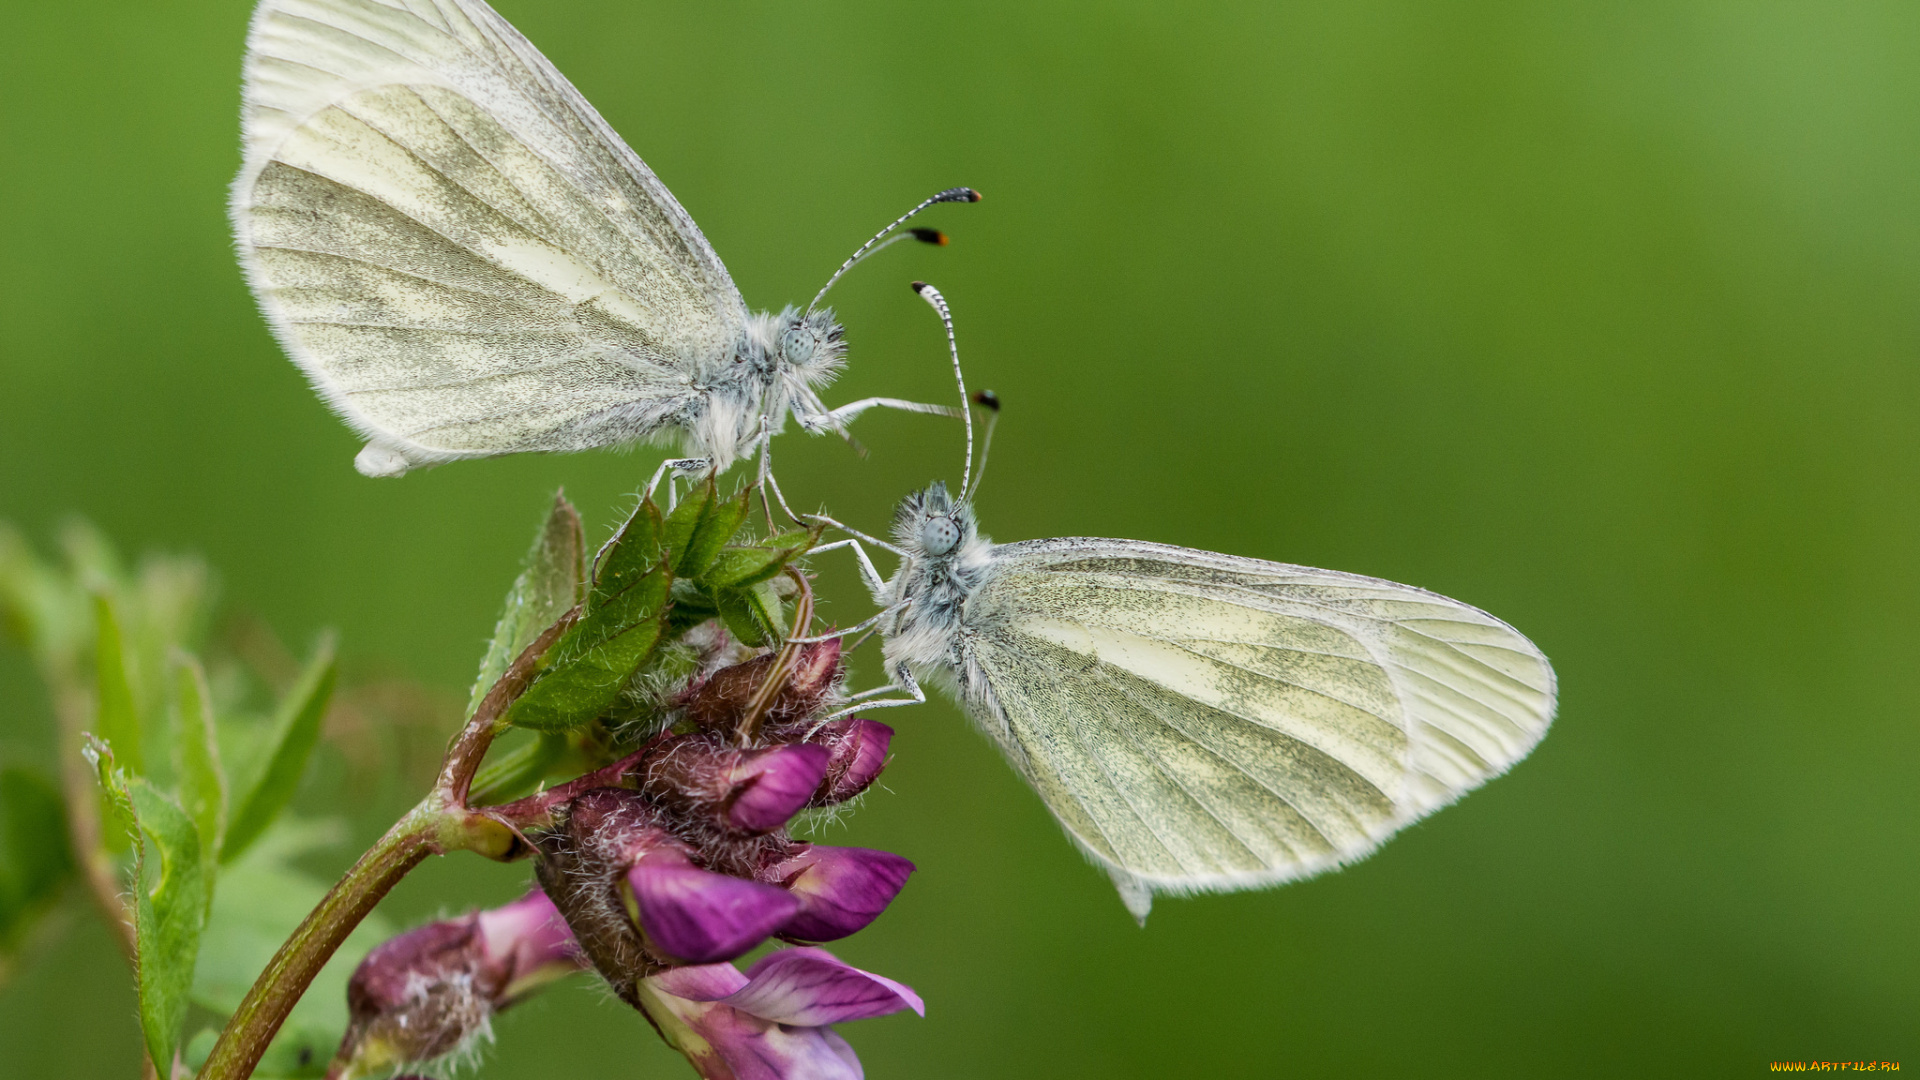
point(989, 401)
point(932, 296)
point(875, 245)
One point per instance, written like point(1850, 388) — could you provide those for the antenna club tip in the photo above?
point(919, 287)
point(959, 194)
point(930, 236)
point(987, 399)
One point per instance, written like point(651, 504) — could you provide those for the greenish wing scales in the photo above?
point(1198, 721)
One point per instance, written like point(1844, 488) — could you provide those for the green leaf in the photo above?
point(262, 899)
point(716, 527)
point(754, 614)
point(631, 553)
point(203, 783)
point(738, 567)
point(596, 658)
point(35, 856)
point(114, 718)
point(296, 728)
point(170, 895)
point(679, 528)
point(552, 581)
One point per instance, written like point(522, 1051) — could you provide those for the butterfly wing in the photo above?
point(454, 246)
point(1204, 722)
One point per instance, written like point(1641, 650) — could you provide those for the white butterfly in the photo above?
point(1202, 722)
point(466, 260)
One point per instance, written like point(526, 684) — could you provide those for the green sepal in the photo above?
point(296, 729)
point(115, 718)
point(170, 900)
point(739, 567)
point(680, 525)
point(753, 614)
point(552, 580)
point(630, 555)
point(35, 857)
point(596, 658)
point(697, 529)
point(203, 783)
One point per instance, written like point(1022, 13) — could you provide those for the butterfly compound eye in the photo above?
point(797, 345)
point(938, 535)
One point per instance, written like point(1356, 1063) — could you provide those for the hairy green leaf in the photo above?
point(552, 581)
point(171, 896)
point(35, 857)
point(593, 662)
point(203, 783)
point(715, 528)
point(631, 553)
point(295, 731)
point(739, 567)
point(115, 719)
point(677, 530)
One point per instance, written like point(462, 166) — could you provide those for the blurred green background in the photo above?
point(1605, 317)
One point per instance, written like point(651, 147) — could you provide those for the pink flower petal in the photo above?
point(810, 987)
point(840, 889)
point(696, 916)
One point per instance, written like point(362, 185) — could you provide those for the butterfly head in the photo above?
point(809, 346)
point(934, 526)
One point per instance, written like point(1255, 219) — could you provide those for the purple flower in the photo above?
point(771, 1023)
point(840, 890)
point(740, 791)
point(695, 916)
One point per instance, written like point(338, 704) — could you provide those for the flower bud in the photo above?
point(840, 890)
point(740, 791)
point(857, 752)
point(716, 703)
point(426, 992)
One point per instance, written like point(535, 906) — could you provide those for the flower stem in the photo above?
point(440, 823)
point(279, 987)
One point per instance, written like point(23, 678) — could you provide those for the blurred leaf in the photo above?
point(114, 716)
point(593, 662)
point(551, 582)
point(754, 614)
point(35, 856)
point(296, 729)
point(170, 900)
point(39, 604)
point(262, 899)
point(203, 783)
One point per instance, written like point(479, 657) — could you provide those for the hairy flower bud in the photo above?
point(857, 751)
point(740, 791)
point(716, 703)
point(428, 991)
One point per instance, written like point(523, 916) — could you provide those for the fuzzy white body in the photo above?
point(465, 260)
point(1205, 722)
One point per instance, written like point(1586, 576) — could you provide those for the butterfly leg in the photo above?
point(841, 416)
point(874, 582)
point(815, 640)
point(903, 681)
point(678, 466)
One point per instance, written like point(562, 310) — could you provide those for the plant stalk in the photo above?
point(440, 823)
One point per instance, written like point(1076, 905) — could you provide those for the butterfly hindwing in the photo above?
point(1199, 721)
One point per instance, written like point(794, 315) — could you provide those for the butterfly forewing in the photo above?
point(1198, 721)
point(452, 243)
